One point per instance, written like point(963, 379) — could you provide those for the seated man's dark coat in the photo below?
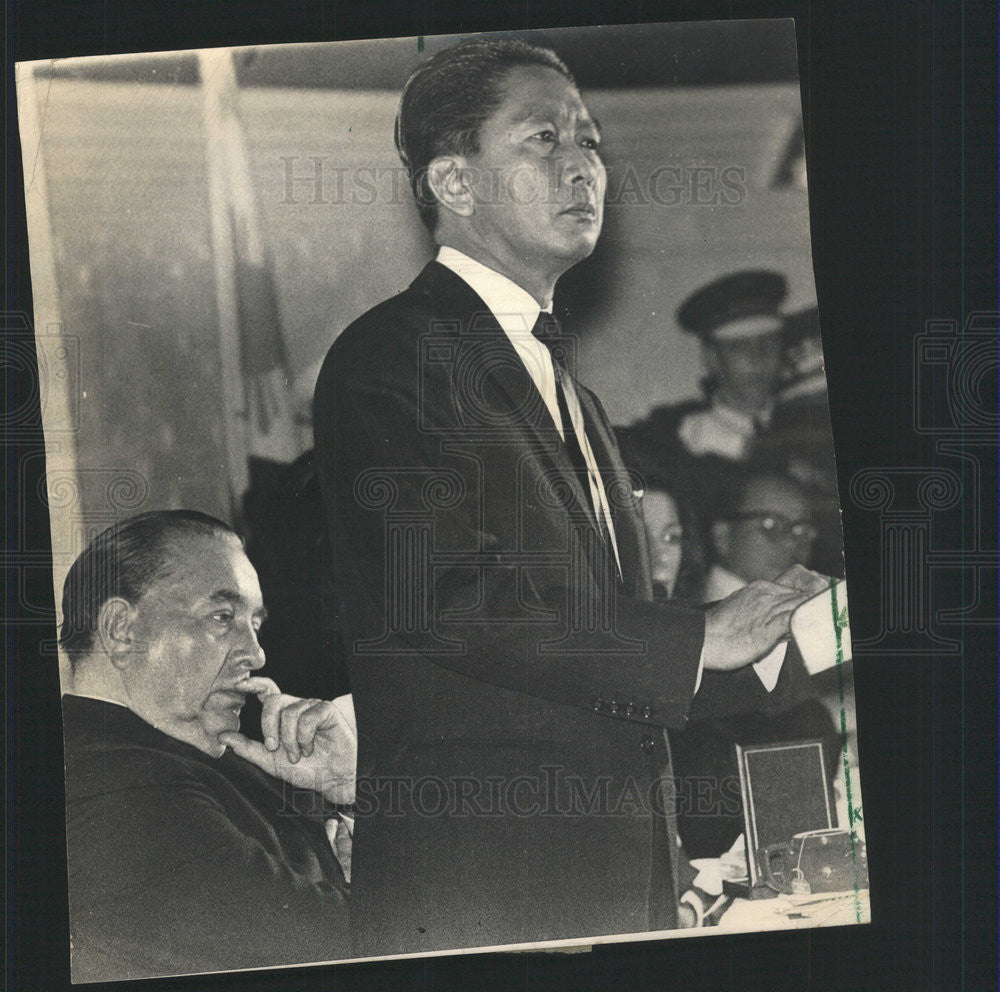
point(180, 862)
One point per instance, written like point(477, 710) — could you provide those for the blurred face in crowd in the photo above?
point(537, 181)
point(665, 535)
point(769, 533)
point(746, 369)
point(193, 642)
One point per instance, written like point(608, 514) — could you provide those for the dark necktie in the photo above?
point(548, 331)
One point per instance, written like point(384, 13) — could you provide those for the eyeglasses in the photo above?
point(777, 527)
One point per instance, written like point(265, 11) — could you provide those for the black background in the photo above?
point(899, 104)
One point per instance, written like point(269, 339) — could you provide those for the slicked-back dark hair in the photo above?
point(125, 560)
point(449, 97)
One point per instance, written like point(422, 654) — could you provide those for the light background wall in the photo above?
point(129, 211)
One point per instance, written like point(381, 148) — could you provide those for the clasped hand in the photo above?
point(308, 743)
point(745, 626)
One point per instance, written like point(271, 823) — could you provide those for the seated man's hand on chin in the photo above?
point(309, 743)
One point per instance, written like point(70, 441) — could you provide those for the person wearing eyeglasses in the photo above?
point(746, 416)
point(765, 529)
point(762, 528)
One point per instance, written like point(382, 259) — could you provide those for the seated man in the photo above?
point(763, 529)
point(184, 856)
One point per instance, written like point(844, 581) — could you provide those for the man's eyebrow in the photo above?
point(541, 112)
point(232, 597)
point(226, 596)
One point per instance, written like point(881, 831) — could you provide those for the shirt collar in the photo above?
point(515, 309)
point(100, 699)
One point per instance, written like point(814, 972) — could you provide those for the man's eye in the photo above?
point(222, 617)
point(546, 135)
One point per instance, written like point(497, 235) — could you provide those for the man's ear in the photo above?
point(721, 539)
point(450, 180)
point(114, 629)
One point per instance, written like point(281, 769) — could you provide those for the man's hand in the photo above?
point(805, 580)
point(309, 743)
point(745, 626)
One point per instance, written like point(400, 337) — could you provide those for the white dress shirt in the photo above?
point(516, 311)
point(721, 583)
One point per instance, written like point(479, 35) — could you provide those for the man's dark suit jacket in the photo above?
point(511, 693)
point(179, 862)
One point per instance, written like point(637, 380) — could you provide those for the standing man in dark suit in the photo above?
point(512, 678)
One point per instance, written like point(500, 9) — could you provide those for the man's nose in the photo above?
point(251, 654)
point(581, 166)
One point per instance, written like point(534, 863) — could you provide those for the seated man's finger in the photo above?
point(312, 718)
point(322, 715)
point(265, 689)
point(272, 706)
point(326, 721)
point(252, 751)
point(261, 686)
point(289, 727)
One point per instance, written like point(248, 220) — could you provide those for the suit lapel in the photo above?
point(630, 532)
point(490, 381)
